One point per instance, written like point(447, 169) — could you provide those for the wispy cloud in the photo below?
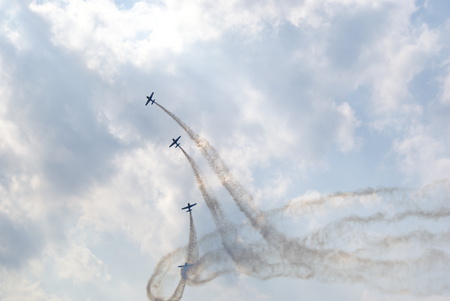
point(296, 96)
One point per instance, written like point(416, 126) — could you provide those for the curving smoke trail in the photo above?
point(242, 198)
point(398, 243)
point(234, 248)
point(156, 284)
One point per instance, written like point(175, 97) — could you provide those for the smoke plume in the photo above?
point(398, 241)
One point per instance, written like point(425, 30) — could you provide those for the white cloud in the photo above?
point(445, 96)
point(11, 29)
point(402, 56)
point(282, 89)
point(137, 201)
point(14, 286)
point(422, 155)
point(108, 37)
point(80, 265)
point(346, 132)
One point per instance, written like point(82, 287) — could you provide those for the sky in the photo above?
point(314, 139)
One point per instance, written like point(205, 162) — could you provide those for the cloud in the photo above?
point(20, 242)
point(401, 61)
point(346, 132)
point(317, 254)
point(80, 265)
point(153, 31)
point(423, 155)
point(445, 98)
point(17, 287)
point(296, 95)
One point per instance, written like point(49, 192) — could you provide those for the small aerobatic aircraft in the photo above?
point(175, 142)
point(188, 207)
point(149, 99)
point(184, 266)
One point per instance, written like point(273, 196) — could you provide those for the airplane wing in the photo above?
point(189, 206)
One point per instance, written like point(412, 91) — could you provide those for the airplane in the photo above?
point(175, 142)
point(188, 207)
point(185, 266)
point(149, 99)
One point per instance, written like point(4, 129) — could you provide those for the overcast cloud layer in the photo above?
point(301, 99)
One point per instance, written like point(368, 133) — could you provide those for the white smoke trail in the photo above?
point(192, 252)
point(400, 244)
point(156, 284)
point(235, 249)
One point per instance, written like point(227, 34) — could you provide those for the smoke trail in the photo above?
point(400, 244)
point(192, 254)
point(157, 281)
point(308, 205)
point(245, 203)
point(157, 284)
point(225, 176)
point(400, 261)
point(212, 203)
point(241, 197)
point(228, 233)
